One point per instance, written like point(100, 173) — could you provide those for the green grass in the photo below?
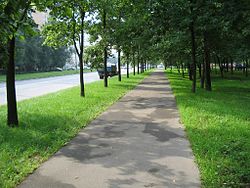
point(218, 127)
point(28, 76)
point(49, 122)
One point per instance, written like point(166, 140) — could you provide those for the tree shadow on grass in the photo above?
point(24, 148)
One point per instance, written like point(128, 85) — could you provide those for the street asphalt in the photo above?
point(26, 89)
point(138, 142)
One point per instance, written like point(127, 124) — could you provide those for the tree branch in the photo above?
point(74, 34)
point(23, 15)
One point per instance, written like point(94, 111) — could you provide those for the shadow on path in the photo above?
point(138, 142)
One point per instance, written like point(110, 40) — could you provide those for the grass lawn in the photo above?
point(28, 76)
point(218, 127)
point(49, 122)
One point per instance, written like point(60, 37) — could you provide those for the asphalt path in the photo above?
point(137, 143)
point(26, 89)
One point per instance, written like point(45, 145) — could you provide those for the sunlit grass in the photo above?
point(218, 127)
point(49, 122)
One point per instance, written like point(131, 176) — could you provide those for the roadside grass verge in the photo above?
point(218, 127)
point(47, 123)
point(28, 76)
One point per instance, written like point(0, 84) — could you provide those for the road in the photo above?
point(27, 89)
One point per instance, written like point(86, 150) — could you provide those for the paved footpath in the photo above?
point(138, 142)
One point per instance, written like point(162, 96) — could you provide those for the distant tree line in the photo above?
point(33, 56)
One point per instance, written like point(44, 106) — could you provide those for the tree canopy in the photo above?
point(189, 35)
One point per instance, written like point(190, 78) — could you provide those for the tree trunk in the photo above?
point(189, 72)
point(203, 75)
point(81, 55)
point(128, 67)
point(246, 73)
point(193, 54)
point(199, 67)
point(220, 66)
point(105, 53)
point(232, 66)
point(81, 76)
point(215, 65)
point(138, 63)
point(12, 116)
point(79, 51)
point(142, 65)
point(182, 70)
point(145, 66)
point(227, 65)
point(178, 69)
point(208, 84)
point(134, 63)
point(119, 64)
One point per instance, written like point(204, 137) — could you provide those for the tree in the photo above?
point(192, 32)
point(94, 56)
point(66, 27)
point(14, 15)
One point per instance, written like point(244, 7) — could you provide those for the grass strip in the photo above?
point(218, 127)
point(28, 76)
point(47, 123)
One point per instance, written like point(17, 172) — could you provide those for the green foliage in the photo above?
point(15, 21)
point(32, 56)
point(15, 15)
point(47, 123)
point(9, 16)
point(65, 22)
point(226, 25)
point(57, 34)
point(93, 55)
point(218, 127)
